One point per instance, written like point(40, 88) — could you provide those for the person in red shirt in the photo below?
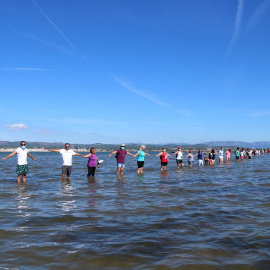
point(164, 158)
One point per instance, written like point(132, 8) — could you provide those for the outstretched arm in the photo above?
point(77, 154)
point(54, 150)
point(159, 154)
point(10, 155)
point(29, 155)
point(131, 154)
point(147, 154)
point(169, 156)
point(89, 155)
point(112, 153)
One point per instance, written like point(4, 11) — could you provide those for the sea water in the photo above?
point(193, 218)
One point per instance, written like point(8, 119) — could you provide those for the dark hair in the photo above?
point(23, 142)
point(67, 143)
point(92, 150)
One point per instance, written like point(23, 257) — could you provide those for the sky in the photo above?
point(155, 71)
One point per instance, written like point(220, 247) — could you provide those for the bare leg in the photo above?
point(118, 171)
point(24, 178)
point(182, 165)
point(68, 176)
point(19, 178)
point(122, 171)
point(63, 176)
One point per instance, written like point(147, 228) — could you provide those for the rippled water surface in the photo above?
point(192, 218)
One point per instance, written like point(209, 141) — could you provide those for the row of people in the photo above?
point(93, 162)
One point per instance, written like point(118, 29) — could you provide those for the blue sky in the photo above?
point(154, 71)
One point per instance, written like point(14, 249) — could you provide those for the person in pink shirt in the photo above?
point(228, 155)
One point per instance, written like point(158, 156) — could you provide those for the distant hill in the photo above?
point(261, 144)
point(108, 147)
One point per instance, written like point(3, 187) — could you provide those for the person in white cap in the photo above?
point(179, 157)
point(121, 157)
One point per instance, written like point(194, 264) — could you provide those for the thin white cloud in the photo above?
point(43, 131)
point(15, 127)
point(54, 25)
point(258, 14)
point(148, 96)
point(237, 26)
point(258, 114)
point(27, 69)
point(47, 110)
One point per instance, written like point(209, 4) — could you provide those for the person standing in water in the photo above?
point(140, 162)
point(220, 154)
point(200, 157)
point(190, 158)
point(179, 157)
point(92, 162)
point(121, 157)
point(67, 155)
point(228, 155)
point(164, 158)
point(237, 154)
point(22, 166)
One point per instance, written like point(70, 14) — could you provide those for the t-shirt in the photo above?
point(190, 157)
point(121, 156)
point(67, 156)
point(237, 153)
point(164, 157)
point(179, 155)
point(200, 156)
point(221, 152)
point(22, 156)
point(92, 162)
point(141, 155)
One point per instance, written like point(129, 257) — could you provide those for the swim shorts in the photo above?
point(190, 162)
point(140, 164)
point(120, 165)
point(22, 169)
point(66, 170)
point(179, 161)
point(164, 163)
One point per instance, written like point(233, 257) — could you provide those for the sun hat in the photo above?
point(179, 147)
point(123, 145)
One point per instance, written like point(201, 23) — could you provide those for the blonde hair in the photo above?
point(143, 147)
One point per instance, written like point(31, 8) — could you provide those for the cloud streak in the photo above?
point(47, 110)
point(16, 127)
point(148, 96)
point(27, 69)
point(258, 114)
point(54, 25)
point(237, 26)
point(258, 13)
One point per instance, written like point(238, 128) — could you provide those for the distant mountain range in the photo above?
point(169, 146)
point(261, 144)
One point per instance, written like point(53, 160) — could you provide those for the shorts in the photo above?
point(22, 169)
point(164, 163)
point(179, 161)
point(140, 164)
point(237, 157)
point(91, 171)
point(242, 157)
point(200, 162)
point(249, 157)
point(66, 170)
point(190, 162)
point(121, 165)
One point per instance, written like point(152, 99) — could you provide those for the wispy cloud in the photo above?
point(258, 114)
point(27, 69)
point(148, 96)
point(15, 127)
point(43, 131)
point(258, 14)
point(54, 25)
point(237, 26)
point(98, 122)
point(47, 110)
point(54, 46)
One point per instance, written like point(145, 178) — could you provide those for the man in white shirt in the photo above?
point(22, 166)
point(67, 159)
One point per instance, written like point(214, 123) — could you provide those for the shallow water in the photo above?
point(192, 218)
